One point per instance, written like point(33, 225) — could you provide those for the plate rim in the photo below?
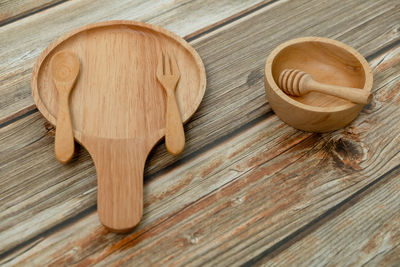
point(38, 63)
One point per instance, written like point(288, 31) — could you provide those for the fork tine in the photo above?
point(167, 69)
point(174, 66)
point(160, 64)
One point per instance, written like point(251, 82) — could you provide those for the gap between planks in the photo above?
point(323, 216)
point(23, 9)
point(32, 109)
point(157, 151)
point(353, 217)
point(190, 37)
point(28, 110)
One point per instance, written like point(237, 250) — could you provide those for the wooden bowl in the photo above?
point(328, 61)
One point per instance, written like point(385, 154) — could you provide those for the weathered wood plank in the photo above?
point(31, 170)
point(12, 10)
point(273, 198)
point(169, 14)
point(250, 192)
point(23, 40)
point(235, 57)
point(365, 234)
point(178, 181)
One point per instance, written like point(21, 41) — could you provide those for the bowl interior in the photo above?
point(327, 63)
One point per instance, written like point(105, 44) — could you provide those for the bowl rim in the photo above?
point(269, 78)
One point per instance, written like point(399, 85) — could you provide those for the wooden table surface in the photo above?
point(248, 189)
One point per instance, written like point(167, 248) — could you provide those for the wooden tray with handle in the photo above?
point(118, 105)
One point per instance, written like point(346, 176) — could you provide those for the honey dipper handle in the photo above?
point(64, 143)
point(174, 134)
point(355, 95)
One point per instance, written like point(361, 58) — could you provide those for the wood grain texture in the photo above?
point(26, 39)
point(49, 194)
point(329, 61)
point(11, 10)
point(235, 57)
point(118, 109)
point(234, 90)
point(251, 191)
point(43, 174)
point(168, 75)
point(64, 67)
point(365, 233)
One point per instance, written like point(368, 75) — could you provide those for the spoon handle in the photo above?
point(64, 144)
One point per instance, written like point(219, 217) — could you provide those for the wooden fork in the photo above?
point(168, 75)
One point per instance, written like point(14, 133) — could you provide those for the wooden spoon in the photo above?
point(64, 71)
point(297, 83)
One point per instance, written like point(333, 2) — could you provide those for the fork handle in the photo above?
point(174, 134)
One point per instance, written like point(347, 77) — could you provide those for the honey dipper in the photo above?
point(298, 83)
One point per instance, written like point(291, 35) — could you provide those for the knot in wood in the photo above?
point(345, 153)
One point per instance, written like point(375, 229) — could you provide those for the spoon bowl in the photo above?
point(65, 70)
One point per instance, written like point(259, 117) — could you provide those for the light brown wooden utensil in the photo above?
point(118, 106)
point(328, 61)
point(297, 83)
point(168, 75)
point(64, 71)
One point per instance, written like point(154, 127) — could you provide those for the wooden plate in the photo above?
point(118, 106)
